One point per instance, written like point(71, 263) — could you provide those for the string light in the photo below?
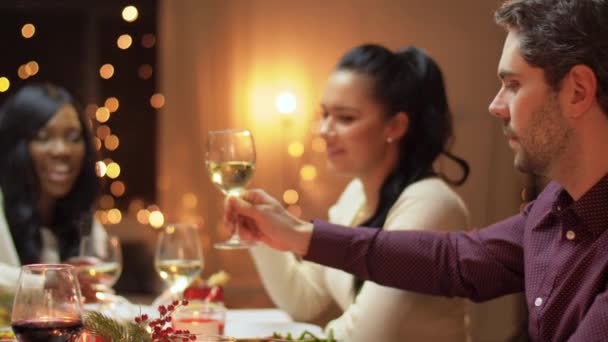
point(100, 168)
point(130, 13)
point(106, 201)
point(124, 41)
point(4, 84)
point(295, 149)
point(286, 103)
point(157, 101)
point(145, 71)
point(22, 73)
point(28, 31)
point(102, 114)
point(103, 131)
point(157, 219)
point(113, 170)
point(114, 216)
point(117, 188)
point(291, 196)
point(143, 216)
point(106, 71)
point(148, 40)
point(308, 172)
point(111, 143)
point(112, 104)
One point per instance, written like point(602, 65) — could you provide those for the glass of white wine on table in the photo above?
point(230, 162)
point(101, 266)
point(179, 256)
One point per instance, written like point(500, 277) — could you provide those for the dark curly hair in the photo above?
point(21, 116)
point(556, 35)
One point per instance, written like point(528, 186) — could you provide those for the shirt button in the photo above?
point(538, 301)
point(570, 235)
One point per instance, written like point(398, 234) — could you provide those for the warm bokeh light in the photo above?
point(295, 149)
point(114, 216)
point(103, 131)
point(286, 103)
point(4, 84)
point(113, 170)
point(28, 31)
point(102, 114)
point(97, 143)
point(308, 172)
point(157, 101)
point(153, 207)
point(143, 216)
point(22, 73)
point(124, 41)
point(112, 104)
point(145, 71)
point(135, 206)
point(156, 219)
point(101, 216)
point(295, 210)
point(106, 202)
point(318, 144)
point(111, 143)
point(117, 188)
point(148, 40)
point(100, 168)
point(130, 14)
point(106, 71)
point(291, 196)
point(189, 200)
point(32, 68)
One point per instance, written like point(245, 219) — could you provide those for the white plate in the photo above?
point(265, 329)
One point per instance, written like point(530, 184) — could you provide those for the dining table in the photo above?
point(239, 323)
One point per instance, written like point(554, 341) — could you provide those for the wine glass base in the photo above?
point(233, 244)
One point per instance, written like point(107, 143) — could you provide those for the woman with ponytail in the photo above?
point(385, 119)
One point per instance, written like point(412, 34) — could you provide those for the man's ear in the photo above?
point(579, 89)
point(397, 126)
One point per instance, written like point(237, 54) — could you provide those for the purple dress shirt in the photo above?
point(556, 251)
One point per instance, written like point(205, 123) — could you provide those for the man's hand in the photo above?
point(262, 218)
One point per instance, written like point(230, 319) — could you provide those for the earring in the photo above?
point(389, 140)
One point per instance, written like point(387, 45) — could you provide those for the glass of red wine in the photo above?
point(47, 305)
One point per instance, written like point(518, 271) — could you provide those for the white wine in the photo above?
point(103, 273)
point(178, 272)
point(231, 176)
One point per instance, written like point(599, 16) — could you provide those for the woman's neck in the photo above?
point(46, 208)
point(372, 182)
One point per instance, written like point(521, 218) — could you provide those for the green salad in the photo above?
point(306, 336)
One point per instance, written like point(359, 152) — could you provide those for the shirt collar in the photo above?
point(591, 209)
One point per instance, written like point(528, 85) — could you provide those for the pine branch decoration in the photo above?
point(108, 329)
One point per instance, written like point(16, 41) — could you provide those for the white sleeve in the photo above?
point(294, 286)
point(385, 314)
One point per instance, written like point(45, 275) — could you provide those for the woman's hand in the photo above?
point(262, 218)
point(88, 284)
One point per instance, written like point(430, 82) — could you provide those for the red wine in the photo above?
point(47, 331)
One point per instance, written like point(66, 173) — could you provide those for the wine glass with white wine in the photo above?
point(230, 162)
point(179, 256)
point(103, 265)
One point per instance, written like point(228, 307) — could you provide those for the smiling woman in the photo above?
point(47, 179)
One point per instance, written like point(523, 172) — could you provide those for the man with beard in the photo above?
point(553, 103)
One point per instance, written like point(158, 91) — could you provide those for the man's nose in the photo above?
point(498, 107)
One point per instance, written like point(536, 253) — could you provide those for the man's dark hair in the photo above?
point(556, 35)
